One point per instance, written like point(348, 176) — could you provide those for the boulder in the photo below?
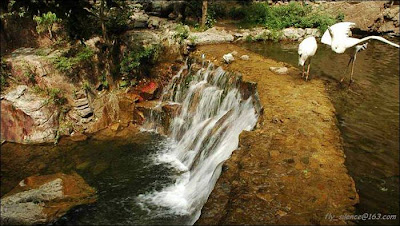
point(228, 58)
point(43, 199)
point(293, 33)
point(279, 70)
point(211, 36)
point(139, 19)
point(27, 117)
point(154, 22)
point(245, 57)
point(149, 91)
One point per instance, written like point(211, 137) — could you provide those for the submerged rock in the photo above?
point(43, 199)
point(279, 70)
point(245, 57)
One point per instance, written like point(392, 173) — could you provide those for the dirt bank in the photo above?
point(290, 170)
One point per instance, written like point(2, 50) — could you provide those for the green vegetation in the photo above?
point(46, 22)
point(86, 87)
point(136, 62)
point(56, 96)
point(283, 16)
point(182, 32)
point(73, 59)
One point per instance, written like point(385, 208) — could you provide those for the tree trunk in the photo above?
point(204, 14)
point(103, 26)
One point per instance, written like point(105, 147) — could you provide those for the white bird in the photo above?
point(307, 49)
point(338, 37)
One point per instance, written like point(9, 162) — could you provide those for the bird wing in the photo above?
point(339, 30)
point(356, 41)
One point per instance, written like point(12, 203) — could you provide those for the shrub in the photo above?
point(182, 33)
point(73, 59)
point(134, 62)
point(56, 96)
point(280, 17)
point(45, 23)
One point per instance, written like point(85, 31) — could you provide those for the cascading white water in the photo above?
point(203, 135)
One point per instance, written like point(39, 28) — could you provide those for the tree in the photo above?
point(204, 14)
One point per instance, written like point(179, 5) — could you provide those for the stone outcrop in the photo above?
point(370, 16)
point(43, 199)
point(27, 117)
point(211, 36)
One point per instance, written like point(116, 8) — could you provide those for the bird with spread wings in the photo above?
point(338, 38)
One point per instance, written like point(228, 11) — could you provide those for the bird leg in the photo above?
point(352, 68)
point(308, 69)
point(302, 74)
point(351, 60)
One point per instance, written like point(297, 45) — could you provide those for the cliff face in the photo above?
point(370, 16)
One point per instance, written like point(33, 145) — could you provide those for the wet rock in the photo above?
point(245, 57)
point(78, 136)
point(139, 19)
point(228, 58)
point(43, 199)
point(81, 105)
point(293, 33)
point(115, 126)
point(279, 70)
point(274, 153)
point(149, 91)
point(312, 32)
point(27, 118)
point(154, 22)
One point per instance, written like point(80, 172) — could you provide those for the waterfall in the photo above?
point(203, 134)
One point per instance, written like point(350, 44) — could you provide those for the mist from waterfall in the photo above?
point(202, 135)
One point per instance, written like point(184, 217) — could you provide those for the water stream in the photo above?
point(368, 115)
point(202, 136)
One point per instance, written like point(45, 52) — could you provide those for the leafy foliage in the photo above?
point(283, 16)
point(45, 22)
point(56, 96)
point(73, 59)
point(133, 62)
point(182, 32)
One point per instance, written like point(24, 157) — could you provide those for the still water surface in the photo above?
point(119, 169)
point(368, 115)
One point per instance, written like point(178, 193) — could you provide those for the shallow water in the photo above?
point(119, 169)
point(368, 116)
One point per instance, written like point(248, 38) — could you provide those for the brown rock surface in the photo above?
point(27, 117)
point(280, 175)
point(42, 199)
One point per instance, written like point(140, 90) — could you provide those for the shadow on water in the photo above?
point(368, 116)
point(119, 169)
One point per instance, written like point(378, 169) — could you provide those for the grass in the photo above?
point(283, 16)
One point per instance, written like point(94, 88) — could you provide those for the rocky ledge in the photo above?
point(43, 199)
point(290, 169)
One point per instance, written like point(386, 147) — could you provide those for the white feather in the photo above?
point(307, 48)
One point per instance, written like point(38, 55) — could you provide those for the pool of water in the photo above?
point(119, 169)
point(368, 116)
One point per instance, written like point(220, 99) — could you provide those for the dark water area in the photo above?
point(119, 169)
point(368, 116)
